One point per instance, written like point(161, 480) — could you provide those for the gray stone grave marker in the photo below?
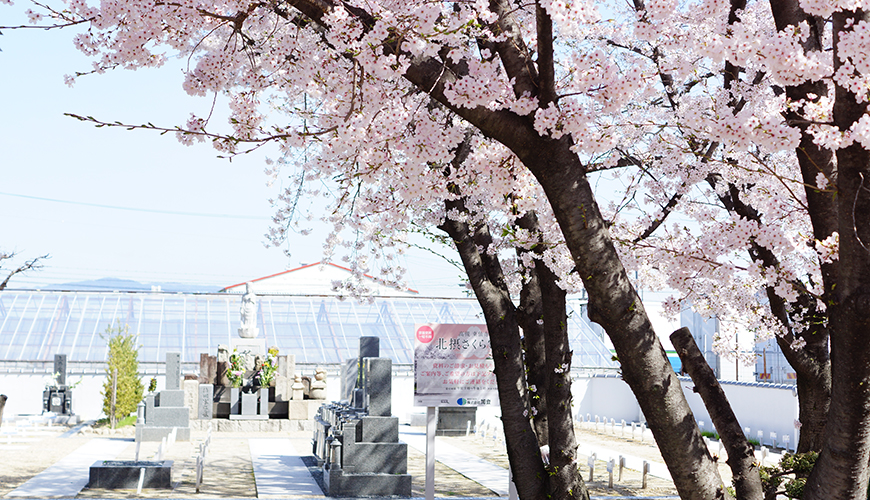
point(173, 371)
point(206, 400)
point(60, 368)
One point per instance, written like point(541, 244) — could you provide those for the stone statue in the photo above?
point(318, 385)
point(249, 328)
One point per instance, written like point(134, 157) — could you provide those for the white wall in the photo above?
point(765, 407)
point(25, 394)
point(607, 396)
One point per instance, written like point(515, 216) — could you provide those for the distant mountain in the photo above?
point(125, 285)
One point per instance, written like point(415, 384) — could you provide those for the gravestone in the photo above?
point(173, 371)
point(207, 368)
point(377, 386)
point(357, 445)
point(191, 397)
point(60, 368)
point(166, 410)
point(206, 398)
point(57, 398)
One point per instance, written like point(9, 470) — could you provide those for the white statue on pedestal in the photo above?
point(249, 328)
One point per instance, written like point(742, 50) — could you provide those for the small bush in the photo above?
point(788, 478)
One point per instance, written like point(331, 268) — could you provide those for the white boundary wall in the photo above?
point(760, 407)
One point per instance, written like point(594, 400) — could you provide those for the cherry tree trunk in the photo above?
point(485, 276)
point(616, 306)
point(841, 471)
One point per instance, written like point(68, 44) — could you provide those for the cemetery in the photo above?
point(303, 377)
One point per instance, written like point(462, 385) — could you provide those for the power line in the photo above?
point(131, 209)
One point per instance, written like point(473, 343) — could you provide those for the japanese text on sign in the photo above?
point(453, 366)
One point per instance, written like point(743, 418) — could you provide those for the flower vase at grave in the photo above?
point(235, 406)
point(249, 401)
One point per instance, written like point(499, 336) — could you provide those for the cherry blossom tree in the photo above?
point(731, 139)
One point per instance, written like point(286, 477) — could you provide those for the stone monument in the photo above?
point(245, 381)
point(165, 410)
point(57, 396)
point(357, 444)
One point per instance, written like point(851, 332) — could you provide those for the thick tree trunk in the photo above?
point(566, 481)
point(813, 364)
point(546, 321)
point(542, 300)
point(842, 468)
point(615, 305)
point(487, 281)
point(741, 456)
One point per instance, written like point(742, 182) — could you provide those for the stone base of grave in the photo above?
point(66, 420)
point(304, 409)
point(117, 474)
point(249, 417)
point(339, 484)
point(271, 425)
point(148, 433)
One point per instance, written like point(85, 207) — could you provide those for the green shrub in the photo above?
point(123, 357)
point(788, 478)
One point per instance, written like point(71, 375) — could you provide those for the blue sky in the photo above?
point(46, 155)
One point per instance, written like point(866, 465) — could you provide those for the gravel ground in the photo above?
point(229, 473)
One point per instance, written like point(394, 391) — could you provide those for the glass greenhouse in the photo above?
point(36, 325)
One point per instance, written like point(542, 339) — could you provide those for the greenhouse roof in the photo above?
point(36, 325)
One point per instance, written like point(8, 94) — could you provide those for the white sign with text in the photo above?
point(453, 366)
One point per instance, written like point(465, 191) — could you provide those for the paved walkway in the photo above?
point(279, 470)
point(68, 476)
point(487, 474)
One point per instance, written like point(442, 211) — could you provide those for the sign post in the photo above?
point(431, 420)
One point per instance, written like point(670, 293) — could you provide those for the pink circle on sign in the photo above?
point(425, 334)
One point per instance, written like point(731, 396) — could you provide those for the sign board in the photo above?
point(453, 366)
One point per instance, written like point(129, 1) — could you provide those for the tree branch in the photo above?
point(30, 265)
point(741, 458)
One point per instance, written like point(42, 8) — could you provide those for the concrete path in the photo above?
point(70, 475)
point(477, 469)
point(279, 470)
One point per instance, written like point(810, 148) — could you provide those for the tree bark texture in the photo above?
point(565, 478)
point(741, 456)
point(551, 321)
point(563, 481)
point(841, 470)
point(529, 313)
